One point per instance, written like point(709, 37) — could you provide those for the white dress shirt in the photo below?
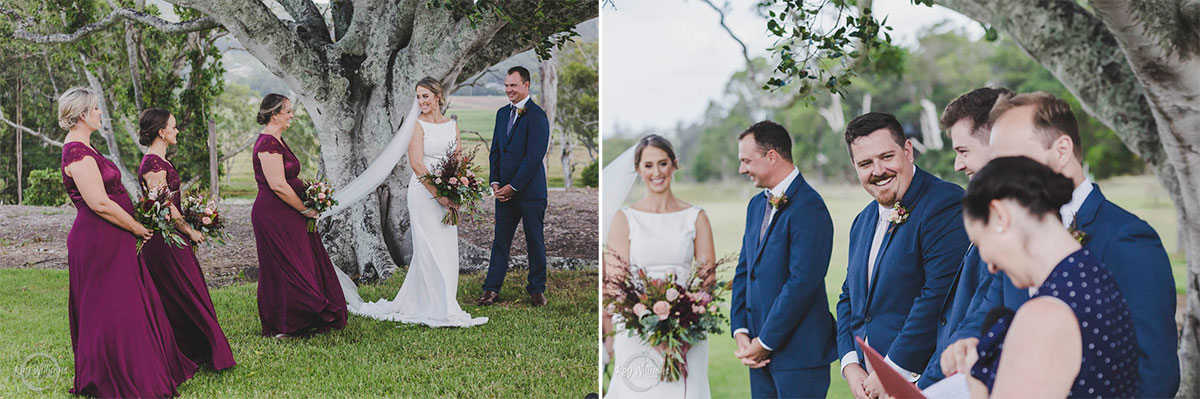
point(1068, 211)
point(779, 190)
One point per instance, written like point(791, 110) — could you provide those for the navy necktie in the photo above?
point(512, 118)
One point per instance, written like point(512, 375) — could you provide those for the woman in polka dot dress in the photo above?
point(1074, 337)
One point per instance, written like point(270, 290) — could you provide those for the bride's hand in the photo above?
point(447, 203)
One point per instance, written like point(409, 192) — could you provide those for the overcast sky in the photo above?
point(662, 61)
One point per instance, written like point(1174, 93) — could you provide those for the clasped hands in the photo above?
point(751, 352)
point(503, 193)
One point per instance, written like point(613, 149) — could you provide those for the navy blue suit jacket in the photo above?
point(779, 283)
point(916, 263)
point(967, 293)
point(1130, 250)
point(516, 158)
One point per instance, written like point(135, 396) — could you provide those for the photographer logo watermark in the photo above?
point(39, 371)
point(640, 373)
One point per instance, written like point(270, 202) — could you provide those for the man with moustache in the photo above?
point(1043, 128)
point(905, 248)
point(967, 120)
point(779, 314)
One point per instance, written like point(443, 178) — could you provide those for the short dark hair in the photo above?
point(1052, 117)
point(520, 70)
point(150, 122)
point(770, 136)
point(1031, 184)
point(655, 141)
point(975, 106)
point(868, 123)
point(271, 105)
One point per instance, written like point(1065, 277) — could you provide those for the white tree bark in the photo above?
point(358, 89)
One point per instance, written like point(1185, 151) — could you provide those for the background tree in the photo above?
point(353, 65)
point(132, 68)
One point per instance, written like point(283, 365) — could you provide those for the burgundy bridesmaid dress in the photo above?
point(181, 285)
point(298, 291)
point(120, 334)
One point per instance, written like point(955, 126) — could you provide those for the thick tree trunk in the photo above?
point(359, 88)
point(1172, 86)
point(549, 73)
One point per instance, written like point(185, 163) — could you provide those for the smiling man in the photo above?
point(966, 118)
point(1043, 128)
point(905, 248)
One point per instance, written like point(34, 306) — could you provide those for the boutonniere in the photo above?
point(777, 201)
point(520, 111)
point(1077, 233)
point(898, 216)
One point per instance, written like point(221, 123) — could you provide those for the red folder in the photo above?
point(893, 383)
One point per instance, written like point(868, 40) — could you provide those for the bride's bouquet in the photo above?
point(669, 316)
point(201, 212)
point(318, 195)
point(153, 210)
point(454, 178)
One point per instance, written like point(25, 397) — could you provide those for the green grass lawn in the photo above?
point(521, 352)
point(725, 205)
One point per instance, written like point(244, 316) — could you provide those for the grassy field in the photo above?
point(725, 205)
point(240, 180)
point(521, 352)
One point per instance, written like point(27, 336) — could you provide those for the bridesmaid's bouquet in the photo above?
point(201, 213)
point(455, 178)
point(153, 210)
point(319, 197)
point(669, 316)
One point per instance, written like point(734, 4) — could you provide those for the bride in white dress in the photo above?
point(429, 293)
point(661, 235)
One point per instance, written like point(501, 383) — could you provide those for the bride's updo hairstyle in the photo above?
point(658, 142)
point(435, 86)
point(1033, 185)
point(271, 105)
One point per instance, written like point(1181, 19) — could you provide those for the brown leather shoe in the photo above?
point(537, 299)
point(488, 298)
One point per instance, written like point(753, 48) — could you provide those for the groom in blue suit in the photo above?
point(1043, 128)
point(518, 179)
point(780, 315)
point(905, 248)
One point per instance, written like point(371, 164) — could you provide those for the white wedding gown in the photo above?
point(660, 243)
point(429, 293)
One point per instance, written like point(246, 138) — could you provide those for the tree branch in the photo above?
point(22, 24)
point(310, 23)
point(238, 150)
point(29, 131)
point(721, 13)
point(1080, 51)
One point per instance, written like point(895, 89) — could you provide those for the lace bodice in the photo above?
point(154, 163)
point(268, 143)
point(75, 151)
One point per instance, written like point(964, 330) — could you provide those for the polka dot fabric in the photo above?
point(1110, 362)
